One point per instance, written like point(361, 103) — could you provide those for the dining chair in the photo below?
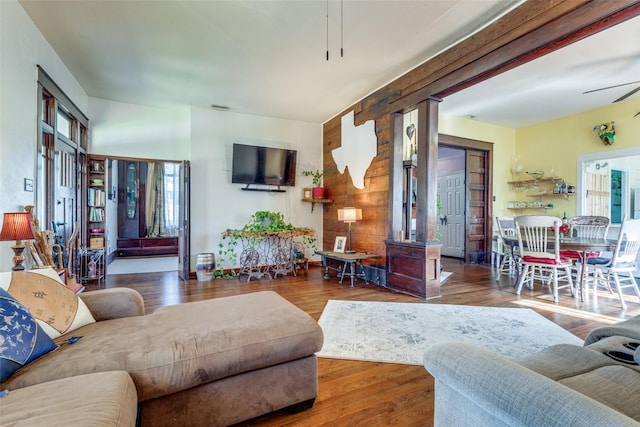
point(622, 265)
point(590, 227)
point(587, 226)
point(510, 263)
point(541, 249)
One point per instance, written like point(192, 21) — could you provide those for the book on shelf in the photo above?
point(97, 197)
point(96, 214)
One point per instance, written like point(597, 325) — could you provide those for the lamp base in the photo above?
point(18, 259)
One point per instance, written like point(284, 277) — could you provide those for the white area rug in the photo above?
point(444, 275)
point(401, 332)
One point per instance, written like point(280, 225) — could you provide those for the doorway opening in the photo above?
point(451, 201)
point(609, 185)
point(466, 169)
point(147, 213)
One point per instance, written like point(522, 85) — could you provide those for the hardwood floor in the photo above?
point(366, 393)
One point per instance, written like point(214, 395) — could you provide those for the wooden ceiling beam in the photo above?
point(501, 46)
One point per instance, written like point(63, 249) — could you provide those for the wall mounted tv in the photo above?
point(263, 166)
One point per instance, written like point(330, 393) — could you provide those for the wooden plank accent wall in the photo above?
point(530, 31)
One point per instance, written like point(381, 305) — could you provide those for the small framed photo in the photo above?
point(340, 243)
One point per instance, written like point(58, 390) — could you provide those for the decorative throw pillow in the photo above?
point(56, 308)
point(21, 339)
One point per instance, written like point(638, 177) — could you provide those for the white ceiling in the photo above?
point(552, 86)
point(267, 57)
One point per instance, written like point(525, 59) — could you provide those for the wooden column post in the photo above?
point(427, 172)
point(413, 267)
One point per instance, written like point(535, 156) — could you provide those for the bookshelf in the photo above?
point(96, 200)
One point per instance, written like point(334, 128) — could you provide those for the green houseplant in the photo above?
point(316, 179)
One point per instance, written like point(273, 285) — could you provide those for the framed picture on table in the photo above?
point(341, 242)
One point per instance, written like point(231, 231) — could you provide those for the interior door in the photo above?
point(65, 180)
point(451, 190)
point(184, 252)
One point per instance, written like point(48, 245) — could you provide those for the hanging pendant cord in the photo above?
point(341, 28)
point(327, 30)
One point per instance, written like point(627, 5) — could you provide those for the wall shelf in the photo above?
point(561, 195)
point(533, 181)
point(541, 189)
point(314, 201)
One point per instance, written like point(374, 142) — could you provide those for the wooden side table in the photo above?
point(350, 264)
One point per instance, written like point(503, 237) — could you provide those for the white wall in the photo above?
point(205, 137)
point(22, 47)
point(129, 130)
point(216, 204)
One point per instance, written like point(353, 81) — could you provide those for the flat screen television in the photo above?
point(263, 166)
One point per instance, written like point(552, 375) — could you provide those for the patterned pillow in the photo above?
point(21, 339)
point(56, 308)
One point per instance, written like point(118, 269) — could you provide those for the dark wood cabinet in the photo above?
point(132, 224)
point(148, 246)
point(132, 180)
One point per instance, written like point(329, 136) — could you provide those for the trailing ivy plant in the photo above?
point(261, 224)
point(226, 253)
point(267, 221)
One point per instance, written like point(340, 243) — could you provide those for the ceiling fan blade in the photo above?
point(628, 94)
point(609, 87)
point(637, 114)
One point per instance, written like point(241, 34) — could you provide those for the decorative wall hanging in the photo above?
point(359, 147)
point(606, 132)
point(411, 145)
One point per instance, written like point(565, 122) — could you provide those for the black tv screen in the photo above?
point(263, 165)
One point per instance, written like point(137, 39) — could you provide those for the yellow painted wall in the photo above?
point(554, 144)
point(557, 143)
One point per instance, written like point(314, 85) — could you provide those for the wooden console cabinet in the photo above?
point(413, 268)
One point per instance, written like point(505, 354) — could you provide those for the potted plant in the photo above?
point(318, 190)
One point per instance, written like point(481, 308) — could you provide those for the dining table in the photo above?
point(583, 246)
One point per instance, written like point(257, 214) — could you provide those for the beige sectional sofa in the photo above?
point(213, 362)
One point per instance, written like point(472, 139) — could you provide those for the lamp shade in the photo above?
point(16, 226)
point(349, 214)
